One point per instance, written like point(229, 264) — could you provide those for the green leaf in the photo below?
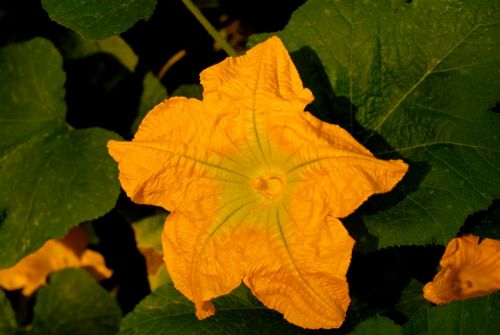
point(377, 325)
point(74, 46)
point(166, 311)
point(487, 224)
point(8, 323)
point(189, 91)
point(148, 231)
point(412, 80)
point(479, 316)
point(74, 303)
point(153, 92)
point(412, 299)
point(97, 19)
point(52, 177)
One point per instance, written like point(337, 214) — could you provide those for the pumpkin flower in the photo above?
point(32, 271)
point(255, 186)
point(470, 267)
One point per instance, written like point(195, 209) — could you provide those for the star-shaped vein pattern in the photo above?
point(256, 186)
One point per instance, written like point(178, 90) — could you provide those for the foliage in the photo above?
point(412, 80)
point(97, 19)
point(72, 303)
point(53, 177)
point(166, 311)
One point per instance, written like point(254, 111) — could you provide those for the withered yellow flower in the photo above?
point(32, 271)
point(469, 268)
point(255, 186)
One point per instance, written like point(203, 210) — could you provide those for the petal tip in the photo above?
point(204, 309)
point(114, 148)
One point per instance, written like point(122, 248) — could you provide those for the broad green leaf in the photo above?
point(479, 316)
point(412, 80)
point(189, 91)
point(412, 299)
point(487, 224)
point(148, 232)
point(74, 303)
point(97, 19)
point(74, 46)
point(377, 325)
point(166, 311)
point(8, 323)
point(52, 177)
point(153, 92)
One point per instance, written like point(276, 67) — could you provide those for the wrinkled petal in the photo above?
point(32, 271)
point(262, 80)
point(330, 162)
point(469, 268)
point(298, 267)
point(294, 261)
point(204, 257)
point(169, 162)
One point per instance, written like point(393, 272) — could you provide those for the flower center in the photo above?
point(269, 185)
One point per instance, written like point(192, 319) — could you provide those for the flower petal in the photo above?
point(294, 260)
point(298, 267)
point(94, 263)
point(204, 257)
point(263, 79)
point(469, 268)
point(326, 159)
point(170, 162)
point(32, 271)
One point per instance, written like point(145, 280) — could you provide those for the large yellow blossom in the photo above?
point(32, 271)
point(469, 268)
point(255, 186)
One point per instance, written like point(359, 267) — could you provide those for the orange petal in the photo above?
point(95, 264)
point(469, 268)
point(204, 257)
point(298, 267)
point(325, 159)
point(250, 92)
point(32, 271)
point(263, 79)
point(293, 261)
point(170, 163)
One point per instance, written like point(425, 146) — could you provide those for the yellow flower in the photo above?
point(469, 268)
point(32, 271)
point(255, 186)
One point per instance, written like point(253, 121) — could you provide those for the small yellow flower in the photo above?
point(32, 271)
point(469, 268)
point(255, 186)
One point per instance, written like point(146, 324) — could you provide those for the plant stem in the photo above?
point(209, 28)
